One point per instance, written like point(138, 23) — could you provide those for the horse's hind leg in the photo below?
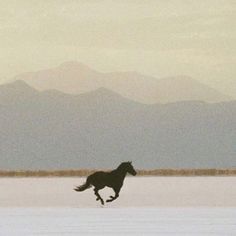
point(115, 197)
point(98, 196)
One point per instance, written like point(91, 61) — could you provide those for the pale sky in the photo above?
point(155, 37)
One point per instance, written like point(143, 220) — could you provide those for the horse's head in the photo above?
point(129, 168)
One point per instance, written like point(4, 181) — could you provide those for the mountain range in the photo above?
point(100, 128)
point(76, 78)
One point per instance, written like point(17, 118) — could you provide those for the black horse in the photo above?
point(113, 179)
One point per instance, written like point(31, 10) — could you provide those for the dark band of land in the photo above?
point(86, 172)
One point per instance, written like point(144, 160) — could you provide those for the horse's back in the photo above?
point(98, 173)
point(97, 177)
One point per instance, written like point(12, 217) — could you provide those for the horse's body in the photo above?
point(113, 179)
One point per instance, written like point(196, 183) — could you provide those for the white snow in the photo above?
point(146, 206)
point(122, 221)
point(136, 192)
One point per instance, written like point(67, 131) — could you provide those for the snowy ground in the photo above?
point(114, 221)
point(136, 192)
point(147, 206)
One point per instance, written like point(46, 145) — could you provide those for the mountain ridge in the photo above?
point(47, 131)
point(76, 78)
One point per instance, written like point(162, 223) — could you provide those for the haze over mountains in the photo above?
point(99, 129)
point(76, 78)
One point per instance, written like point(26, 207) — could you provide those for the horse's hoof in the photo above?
point(97, 199)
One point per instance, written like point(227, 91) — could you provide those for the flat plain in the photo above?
point(146, 206)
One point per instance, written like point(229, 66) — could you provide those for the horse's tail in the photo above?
point(83, 187)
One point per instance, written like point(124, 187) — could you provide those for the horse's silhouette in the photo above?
point(113, 179)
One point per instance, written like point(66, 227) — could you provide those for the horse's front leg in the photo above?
point(112, 198)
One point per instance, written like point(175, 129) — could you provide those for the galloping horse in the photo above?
point(113, 179)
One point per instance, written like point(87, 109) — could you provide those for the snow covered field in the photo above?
point(136, 192)
point(147, 206)
point(122, 221)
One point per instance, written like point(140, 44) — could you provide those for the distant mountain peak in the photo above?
point(15, 91)
point(18, 85)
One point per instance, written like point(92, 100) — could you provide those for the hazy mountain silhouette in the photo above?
point(225, 85)
point(75, 78)
point(15, 92)
point(69, 77)
point(100, 129)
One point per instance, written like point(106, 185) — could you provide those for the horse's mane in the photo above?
point(123, 164)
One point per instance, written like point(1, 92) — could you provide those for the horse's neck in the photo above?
point(121, 173)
